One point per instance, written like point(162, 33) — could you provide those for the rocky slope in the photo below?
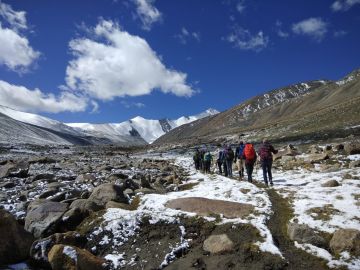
point(300, 111)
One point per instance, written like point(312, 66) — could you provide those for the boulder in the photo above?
point(86, 205)
point(316, 158)
point(331, 183)
point(15, 241)
point(314, 149)
point(14, 169)
point(208, 207)
point(346, 240)
point(8, 184)
point(43, 217)
point(352, 148)
point(67, 257)
point(85, 178)
point(108, 192)
point(354, 164)
point(44, 176)
point(218, 244)
point(73, 217)
point(145, 183)
point(42, 160)
point(304, 234)
point(40, 248)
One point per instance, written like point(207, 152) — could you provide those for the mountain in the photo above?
point(148, 129)
point(308, 110)
point(22, 127)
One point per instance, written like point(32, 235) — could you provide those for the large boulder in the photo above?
point(331, 183)
point(86, 205)
point(64, 257)
point(346, 240)
point(316, 158)
point(108, 192)
point(15, 242)
point(85, 178)
point(354, 164)
point(40, 249)
point(14, 169)
point(304, 234)
point(43, 217)
point(208, 207)
point(352, 148)
point(218, 244)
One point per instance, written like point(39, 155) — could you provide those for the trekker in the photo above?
point(239, 160)
point(224, 162)
point(208, 159)
point(196, 159)
point(249, 155)
point(265, 151)
point(229, 156)
point(219, 161)
point(202, 162)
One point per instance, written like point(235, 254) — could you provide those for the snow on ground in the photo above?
point(322, 208)
point(123, 224)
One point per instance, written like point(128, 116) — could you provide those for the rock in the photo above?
point(316, 158)
point(47, 193)
point(64, 257)
point(145, 183)
point(107, 192)
point(42, 160)
point(44, 176)
point(85, 178)
point(304, 234)
point(314, 149)
point(14, 169)
point(207, 207)
point(73, 217)
point(352, 148)
point(331, 183)
point(346, 240)
point(85, 204)
point(286, 159)
point(145, 191)
point(218, 244)
point(15, 242)
point(112, 204)
point(40, 248)
point(354, 164)
point(7, 185)
point(43, 217)
point(339, 147)
point(116, 176)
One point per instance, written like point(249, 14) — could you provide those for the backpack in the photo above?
point(249, 152)
point(229, 154)
point(265, 152)
point(240, 151)
point(208, 157)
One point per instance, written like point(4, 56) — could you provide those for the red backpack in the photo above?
point(249, 151)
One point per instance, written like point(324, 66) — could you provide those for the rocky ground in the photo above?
point(108, 208)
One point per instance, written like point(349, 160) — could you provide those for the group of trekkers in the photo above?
point(244, 156)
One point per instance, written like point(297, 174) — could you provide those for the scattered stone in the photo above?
point(317, 158)
point(85, 178)
point(108, 192)
point(43, 217)
point(218, 244)
point(304, 234)
point(346, 240)
point(14, 169)
point(15, 241)
point(352, 148)
point(331, 183)
point(44, 176)
point(354, 164)
point(207, 207)
point(7, 185)
point(85, 205)
point(69, 257)
point(42, 160)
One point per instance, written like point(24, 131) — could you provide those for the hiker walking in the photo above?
point(202, 162)
point(265, 151)
point(220, 159)
point(224, 162)
point(249, 155)
point(239, 160)
point(196, 159)
point(229, 156)
point(208, 159)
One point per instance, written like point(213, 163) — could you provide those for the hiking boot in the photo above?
point(271, 184)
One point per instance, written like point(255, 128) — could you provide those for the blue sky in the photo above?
point(108, 61)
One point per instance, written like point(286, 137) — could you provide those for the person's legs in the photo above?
point(229, 166)
point(264, 168)
point(219, 166)
point(242, 164)
point(269, 165)
point(225, 168)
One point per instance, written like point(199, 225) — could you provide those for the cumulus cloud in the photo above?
point(21, 98)
point(184, 36)
point(128, 105)
point(114, 63)
point(343, 5)
point(240, 7)
point(315, 28)
point(15, 50)
point(16, 19)
point(244, 40)
point(147, 13)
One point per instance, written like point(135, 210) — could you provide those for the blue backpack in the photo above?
point(240, 151)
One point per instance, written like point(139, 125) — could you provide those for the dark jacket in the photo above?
point(239, 151)
point(266, 150)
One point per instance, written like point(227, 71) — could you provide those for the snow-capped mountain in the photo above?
point(148, 129)
point(134, 132)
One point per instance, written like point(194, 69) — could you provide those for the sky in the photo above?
point(105, 61)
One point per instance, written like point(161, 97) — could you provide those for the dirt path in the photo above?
point(296, 258)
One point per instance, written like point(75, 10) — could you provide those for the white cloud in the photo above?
point(340, 33)
point(147, 13)
point(343, 5)
point(21, 98)
point(315, 28)
point(240, 7)
point(128, 105)
point(120, 65)
point(279, 30)
point(16, 19)
point(184, 36)
point(244, 40)
point(15, 51)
